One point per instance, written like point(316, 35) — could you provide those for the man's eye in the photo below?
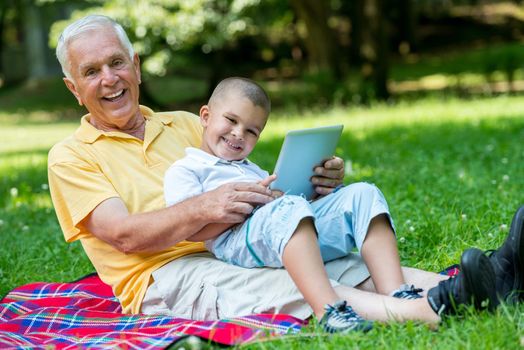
point(118, 63)
point(89, 72)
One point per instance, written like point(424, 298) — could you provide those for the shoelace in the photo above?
point(408, 292)
point(343, 314)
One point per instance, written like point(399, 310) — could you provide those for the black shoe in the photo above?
point(474, 285)
point(508, 262)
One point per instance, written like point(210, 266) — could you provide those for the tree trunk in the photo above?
point(408, 23)
point(36, 44)
point(375, 47)
point(320, 41)
point(356, 15)
point(3, 10)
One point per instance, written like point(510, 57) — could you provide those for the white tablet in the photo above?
point(301, 152)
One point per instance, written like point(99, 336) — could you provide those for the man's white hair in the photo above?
point(81, 26)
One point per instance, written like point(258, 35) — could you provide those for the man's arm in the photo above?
point(208, 215)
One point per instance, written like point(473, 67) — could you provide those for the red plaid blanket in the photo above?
point(85, 314)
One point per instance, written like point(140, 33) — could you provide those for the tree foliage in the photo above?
point(161, 28)
point(338, 49)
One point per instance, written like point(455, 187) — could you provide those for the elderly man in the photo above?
point(106, 186)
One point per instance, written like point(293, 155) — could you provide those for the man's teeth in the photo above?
point(116, 94)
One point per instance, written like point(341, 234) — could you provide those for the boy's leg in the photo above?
point(282, 234)
point(380, 254)
point(358, 216)
point(304, 264)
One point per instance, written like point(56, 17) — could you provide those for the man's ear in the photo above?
point(136, 62)
point(204, 115)
point(71, 86)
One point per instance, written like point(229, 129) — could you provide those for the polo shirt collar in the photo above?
point(87, 133)
point(210, 159)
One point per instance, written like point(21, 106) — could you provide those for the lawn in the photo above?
point(450, 169)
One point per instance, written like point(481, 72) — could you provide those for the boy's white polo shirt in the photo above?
point(200, 172)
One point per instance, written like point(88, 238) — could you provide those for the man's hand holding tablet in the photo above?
point(302, 151)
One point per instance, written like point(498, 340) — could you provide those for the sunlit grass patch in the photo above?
point(450, 169)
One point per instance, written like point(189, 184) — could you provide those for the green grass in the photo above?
point(479, 61)
point(450, 169)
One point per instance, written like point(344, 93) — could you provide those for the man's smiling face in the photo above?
point(104, 78)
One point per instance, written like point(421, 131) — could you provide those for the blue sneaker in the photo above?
point(407, 291)
point(341, 318)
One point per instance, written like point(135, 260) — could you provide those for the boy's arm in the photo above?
point(215, 230)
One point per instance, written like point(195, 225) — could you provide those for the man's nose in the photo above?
point(109, 77)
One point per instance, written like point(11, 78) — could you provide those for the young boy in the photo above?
point(283, 233)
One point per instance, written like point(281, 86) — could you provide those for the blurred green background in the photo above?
point(306, 52)
point(430, 93)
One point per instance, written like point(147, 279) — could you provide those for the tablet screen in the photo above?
point(301, 152)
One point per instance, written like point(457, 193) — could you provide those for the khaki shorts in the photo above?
point(200, 287)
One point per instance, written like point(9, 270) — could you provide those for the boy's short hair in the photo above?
point(247, 87)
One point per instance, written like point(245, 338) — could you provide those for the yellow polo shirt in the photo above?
point(92, 166)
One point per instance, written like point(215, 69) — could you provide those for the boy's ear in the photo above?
point(71, 86)
point(204, 115)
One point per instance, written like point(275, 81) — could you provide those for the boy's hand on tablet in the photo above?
point(267, 181)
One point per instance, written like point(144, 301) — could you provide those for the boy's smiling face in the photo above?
point(232, 126)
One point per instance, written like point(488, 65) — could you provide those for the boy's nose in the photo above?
point(238, 132)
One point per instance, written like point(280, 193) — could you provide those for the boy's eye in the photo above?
point(253, 132)
point(231, 120)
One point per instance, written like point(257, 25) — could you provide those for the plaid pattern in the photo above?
point(85, 314)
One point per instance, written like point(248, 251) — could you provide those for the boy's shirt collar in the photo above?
point(210, 159)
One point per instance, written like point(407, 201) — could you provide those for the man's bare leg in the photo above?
point(378, 307)
point(419, 278)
